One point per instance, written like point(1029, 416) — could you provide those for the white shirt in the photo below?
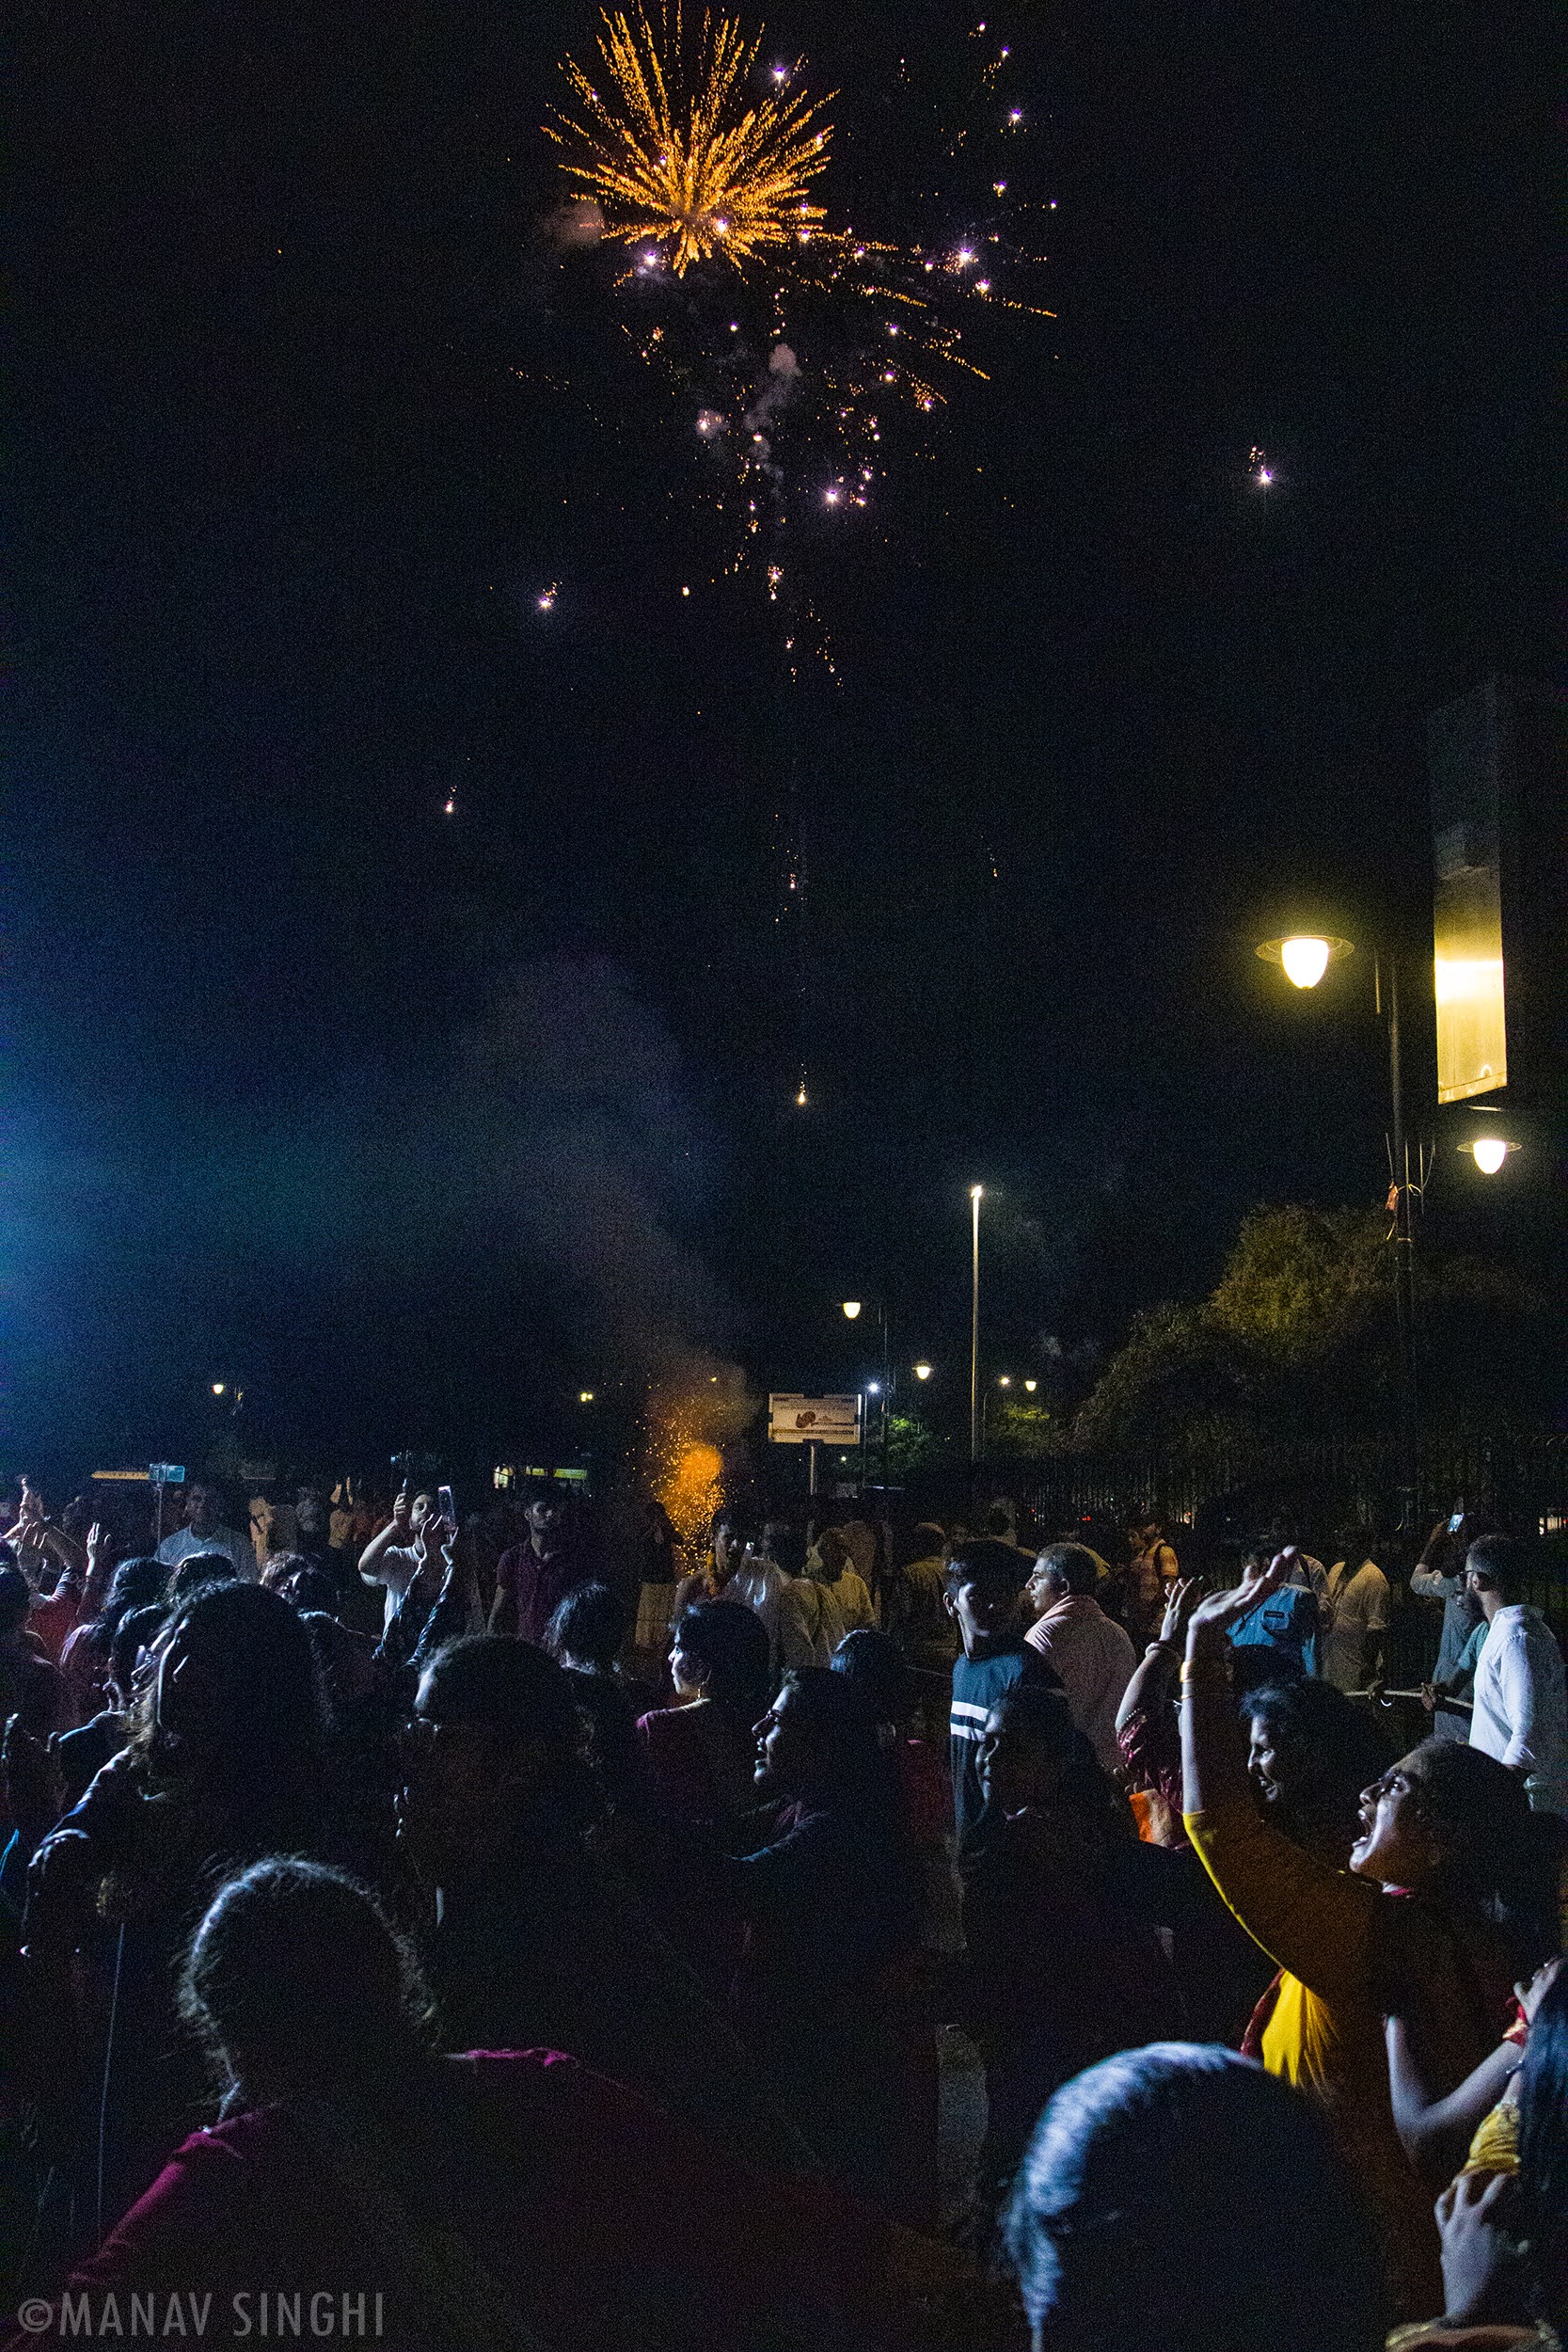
point(1312, 1577)
point(1521, 1710)
point(1356, 1606)
point(233, 1545)
point(394, 1567)
point(769, 1593)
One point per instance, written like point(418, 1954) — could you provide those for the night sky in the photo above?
point(414, 1124)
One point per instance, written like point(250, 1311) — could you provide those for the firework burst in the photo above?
point(678, 156)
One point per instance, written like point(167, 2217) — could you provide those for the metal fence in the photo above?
point(1228, 1490)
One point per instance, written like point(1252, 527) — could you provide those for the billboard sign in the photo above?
point(827, 1420)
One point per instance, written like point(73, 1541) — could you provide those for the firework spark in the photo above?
point(680, 161)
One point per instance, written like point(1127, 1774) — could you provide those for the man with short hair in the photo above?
point(1354, 1617)
point(1286, 1624)
point(1439, 1575)
point(982, 1585)
point(391, 1558)
point(1072, 1633)
point(205, 1530)
point(1152, 1568)
point(742, 1572)
point(1521, 1709)
point(535, 1577)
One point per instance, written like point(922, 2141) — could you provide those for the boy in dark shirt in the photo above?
point(983, 1582)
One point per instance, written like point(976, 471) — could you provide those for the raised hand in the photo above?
point(1182, 1600)
point(1211, 1620)
point(1529, 1995)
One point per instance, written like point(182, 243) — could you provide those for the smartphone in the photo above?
point(1456, 1522)
point(445, 1505)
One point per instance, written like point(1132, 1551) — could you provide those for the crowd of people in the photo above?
point(516, 1930)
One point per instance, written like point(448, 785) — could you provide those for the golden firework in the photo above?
point(678, 154)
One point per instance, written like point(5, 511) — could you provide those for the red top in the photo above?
point(554, 2210)
point(538, 1584)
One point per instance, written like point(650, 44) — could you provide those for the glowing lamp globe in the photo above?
point(922, 1371)
point(1489, 1152)
point(851, 1308)
point(1305, 960)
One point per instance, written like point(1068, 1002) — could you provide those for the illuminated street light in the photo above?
point(851, 1308)
point(1306, 956)
point(873, 1388)
point(1005, 1380)
point(221, 1387)
point(1489, 1152)
point(922, 1371)
point(585, 1396)
point(1031, 1385)
point(1305, 960)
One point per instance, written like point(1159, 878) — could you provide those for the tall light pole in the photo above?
point(1304, 958)
point(974, 1193)
point(883, 1391)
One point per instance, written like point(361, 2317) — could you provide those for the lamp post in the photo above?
point(975, 1192)
point(1304, 957)
point(882, 1390)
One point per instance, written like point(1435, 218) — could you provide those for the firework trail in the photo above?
point(792, 346)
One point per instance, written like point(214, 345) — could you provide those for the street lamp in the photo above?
point(1304, 957)
point(883, 1388)
point(1489, 1152)
point(1005, 1380)
point(1031, 1385)
point(976, 1191)
point(922, 1371)
point(585, 1396)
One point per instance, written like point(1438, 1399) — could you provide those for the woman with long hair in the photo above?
point(699, 1753)
point(1451, 1896)
point(224, 1761)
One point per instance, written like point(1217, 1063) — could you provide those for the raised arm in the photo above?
point(398, 1530)
point(1311, 1918)
point(1155, 1671)
point(1434, 1576)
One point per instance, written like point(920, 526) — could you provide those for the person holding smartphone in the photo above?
point(1439, 1575)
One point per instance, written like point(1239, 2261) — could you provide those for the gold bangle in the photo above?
point(1204, 1670)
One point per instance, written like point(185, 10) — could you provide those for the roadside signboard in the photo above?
point(807, 1420)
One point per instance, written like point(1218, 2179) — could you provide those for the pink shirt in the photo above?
point(1095, 1660)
